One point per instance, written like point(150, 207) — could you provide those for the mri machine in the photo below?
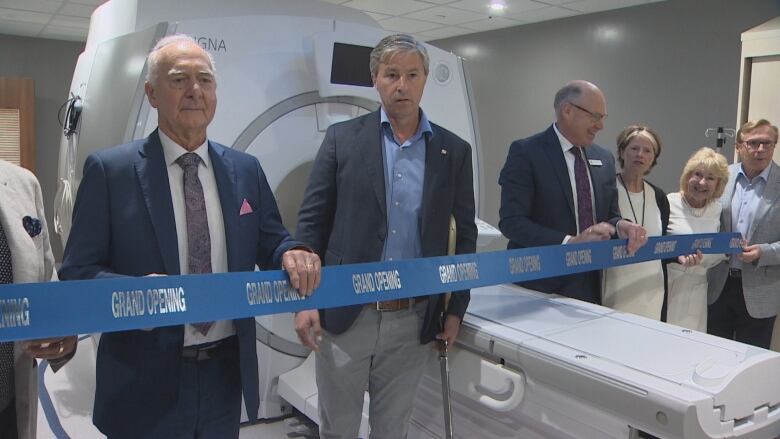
point(527, 365)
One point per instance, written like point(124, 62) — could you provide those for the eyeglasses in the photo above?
point(595, 117)
point(757, 143)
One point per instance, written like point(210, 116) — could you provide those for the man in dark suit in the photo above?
point(177, 203)
point(383, 187)
point(558, 187)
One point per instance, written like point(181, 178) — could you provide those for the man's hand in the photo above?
point(451, 328)
point(307, 325)
point(750, 253)
point(50, 348)
point(304, 269)
point(636, 235)
point(596, 232)
point(690, 260)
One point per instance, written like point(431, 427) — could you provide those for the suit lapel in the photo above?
point(369, 142)
point(153, 177)
point(725, 199)
point(24, 259)
point(227, 184)
point(771, 192)
point(558, 164)
point(436, 158)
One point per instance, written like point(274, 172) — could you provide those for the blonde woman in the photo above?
point(695, 209)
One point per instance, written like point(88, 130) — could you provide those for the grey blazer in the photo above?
point(20, 196)
point(761, 279)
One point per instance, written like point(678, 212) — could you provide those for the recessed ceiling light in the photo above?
point(497, 5)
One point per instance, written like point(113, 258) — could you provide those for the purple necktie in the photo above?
point(584, 203)
point(198, 239)
point(6, 348)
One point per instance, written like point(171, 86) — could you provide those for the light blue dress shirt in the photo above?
point(404, 173)
point(744, 202)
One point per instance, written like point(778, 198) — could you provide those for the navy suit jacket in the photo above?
point(343, 216)
point(123, 225)
point(537, 204)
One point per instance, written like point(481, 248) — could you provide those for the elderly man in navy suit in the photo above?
point(178, 203)
point(383, 187)
point(558, 187)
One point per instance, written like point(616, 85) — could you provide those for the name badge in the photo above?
point(595, 162)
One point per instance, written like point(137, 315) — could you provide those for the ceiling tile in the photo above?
point(588, 6)
point(430, 19)
point(88, 2)
point(438, 2)
point(556, 2)
point(511, 6)
point(63, 33)
point(548, 13)
point(68, 21)
point(443, 32)
point(407, 25)
point(24, 16)
point(491, 24)
point(21, 29)
point(446, 15)
point(377, 16)
point(77, 10)
point(45, 6)
point(395, 7)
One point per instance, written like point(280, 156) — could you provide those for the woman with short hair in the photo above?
point(638, 288)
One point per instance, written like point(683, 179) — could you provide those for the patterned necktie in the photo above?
point(6, 348)
point(198, 239)
point(584, 203)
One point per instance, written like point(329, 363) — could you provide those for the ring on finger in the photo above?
point(61, 348)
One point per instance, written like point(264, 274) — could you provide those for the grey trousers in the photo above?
point(381, 353)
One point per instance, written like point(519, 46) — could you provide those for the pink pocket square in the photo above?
point(246, 209)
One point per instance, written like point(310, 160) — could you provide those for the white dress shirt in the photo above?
point(172, 151)
point(568, 155)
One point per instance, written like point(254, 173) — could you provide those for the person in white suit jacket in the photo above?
point(25, 242)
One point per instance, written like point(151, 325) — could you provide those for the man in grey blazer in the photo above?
point(383, 187)
point(744, 291)
point(25, 256)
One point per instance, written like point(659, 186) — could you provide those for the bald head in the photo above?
point(572, 91)
point(580, 110)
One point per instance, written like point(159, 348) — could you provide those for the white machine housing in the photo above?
point(277, 94)
point(532, 366)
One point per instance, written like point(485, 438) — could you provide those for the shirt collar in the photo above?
point(423, 127)
point(763, 175)
point(565, 144)
point(173, 150)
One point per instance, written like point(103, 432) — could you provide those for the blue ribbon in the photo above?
point(29, 311)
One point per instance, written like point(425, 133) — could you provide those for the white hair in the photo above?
point(153, 59)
